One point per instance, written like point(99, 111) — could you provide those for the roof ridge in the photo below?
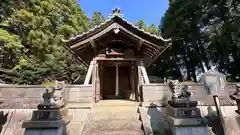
point(108, 20)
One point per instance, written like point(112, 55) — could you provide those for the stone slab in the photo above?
point(76, 128)
point(146, 122)
point(42, 132)
point(72, 105)
point(191, 131)
point(79, 115)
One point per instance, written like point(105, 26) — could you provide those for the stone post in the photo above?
point(183, 116)
point(51, 117)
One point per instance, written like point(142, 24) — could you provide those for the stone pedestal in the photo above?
point(48, 122)
point(184, 118)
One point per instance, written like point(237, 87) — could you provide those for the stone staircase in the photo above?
point(114, 117)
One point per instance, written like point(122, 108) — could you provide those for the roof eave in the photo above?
point(110, 21)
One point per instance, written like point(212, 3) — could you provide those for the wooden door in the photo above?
point(124, 82)
point(109, 82)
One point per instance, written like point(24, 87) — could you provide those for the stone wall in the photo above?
point(155, 94)
point(29, 96)
point(158, 94)
point(76, 94)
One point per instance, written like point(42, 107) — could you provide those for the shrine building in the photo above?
point(117, 54)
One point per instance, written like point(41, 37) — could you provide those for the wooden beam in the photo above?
point(149, 53)
point(140, 45)
point(95, 36)
point(112, 26)
point(80, 59)
point(94, 46)
point(136, 36)
point(165, 48)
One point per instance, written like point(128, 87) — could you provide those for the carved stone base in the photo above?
point(46, 124)
point(50, 106)
point(50, 115)
point(187, 126)
point(191, 112)
point(178, 122)
point(181, 103)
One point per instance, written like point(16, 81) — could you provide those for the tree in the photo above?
point(97, 19)
point(203, 32)
point(39, 26)
point(152, 29)
point(141, 24)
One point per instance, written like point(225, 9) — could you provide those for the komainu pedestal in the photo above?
point(51, 117)
point(183, 115)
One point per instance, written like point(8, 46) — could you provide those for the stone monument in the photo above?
point(236, 96)
point(183, 115)
point(52, 114)
point(214, 82)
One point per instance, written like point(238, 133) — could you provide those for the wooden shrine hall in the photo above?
point(117, 53)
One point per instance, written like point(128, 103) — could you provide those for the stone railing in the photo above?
point(157, 94)
point(29, 96)
point(79, 94)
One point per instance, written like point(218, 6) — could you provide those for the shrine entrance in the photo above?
point(117, 54)
point(118, 80)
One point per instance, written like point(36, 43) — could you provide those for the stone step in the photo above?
point(115, 116)
point(102, 125)
point(110, 103)
point(119, 132)
point(115, 109)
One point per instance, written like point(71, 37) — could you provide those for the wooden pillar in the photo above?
point(140, 82)
point(89, 73)
point(117, 81)
point(144, 72)
point(132, 82)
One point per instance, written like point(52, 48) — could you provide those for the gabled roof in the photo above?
point(152, 45)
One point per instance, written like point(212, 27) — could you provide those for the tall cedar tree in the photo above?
point(203, 31)
point(31, 33)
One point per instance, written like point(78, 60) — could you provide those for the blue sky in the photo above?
point(151, 11)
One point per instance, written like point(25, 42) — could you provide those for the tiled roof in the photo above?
point(109, 21)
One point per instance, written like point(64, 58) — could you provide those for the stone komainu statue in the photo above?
point(236, 96)
point(3, 117)
point(53, 97)
point(179, 91)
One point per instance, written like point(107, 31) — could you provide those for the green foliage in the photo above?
point(97, 19)
point(202, 31)
point(141, 24)
point(35, 47)
point(152, 29)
